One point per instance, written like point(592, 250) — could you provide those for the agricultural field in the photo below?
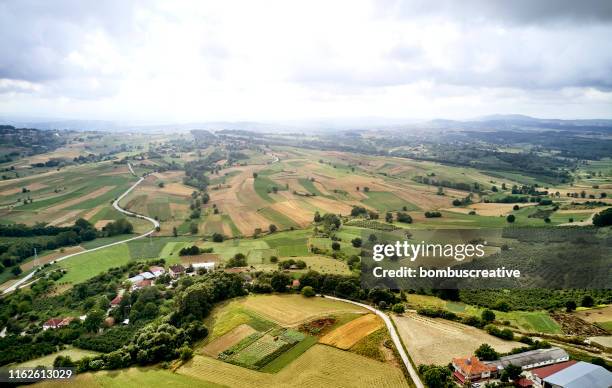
point(437, 341)
point(74, 353)
point(601, 317)
point(347, 335)
point(317, 367)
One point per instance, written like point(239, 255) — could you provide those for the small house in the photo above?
point(57, 323)
point(142, 284)
point(470, 369)
point(157, 271)
point(176, 270)
point(116, 301)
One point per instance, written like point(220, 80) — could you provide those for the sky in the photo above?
point(186, 61)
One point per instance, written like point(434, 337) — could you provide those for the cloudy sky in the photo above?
point(198, 60)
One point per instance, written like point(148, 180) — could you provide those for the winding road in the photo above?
point(116, 206)
point(394, 336)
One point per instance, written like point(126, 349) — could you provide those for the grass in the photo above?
point(370, 346)
point(228, 220)
point(262, 187)
point(290, 355)
point(385, 201)
point(74, 353)
point(229, 315)
point(311, 188)
point(89, 264)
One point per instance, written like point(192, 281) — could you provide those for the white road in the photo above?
point(394, 336)
point(116, 206)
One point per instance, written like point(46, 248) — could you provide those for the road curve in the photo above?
point(116, 206)
point(394, 336)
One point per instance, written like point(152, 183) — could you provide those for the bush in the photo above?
point(335, 246)
point(486, 353)
point(511, 218)
point(403, 217)
point(432, 214)
point(356, 242)
point(218, 237)
point(587, 301)
point(398, 308)
point(308, 292)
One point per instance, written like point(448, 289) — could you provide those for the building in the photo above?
point(295, 283)
point(142, 284)
point(208, 266)
point(472, 369)
point(116, 301)
point(135, 279)
point(531, 359)
point(176, 270)
point(57, 323)
point(539, 374)
point(147, 275)
point(580, 375)
point(157, 271)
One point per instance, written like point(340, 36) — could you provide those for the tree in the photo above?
point(356, 242)
point(317, 217)
point(587, 301)
point(512, 372)
point(185, 352)
point(239, 260)
point(175, 231)
point(403, 217)
point(16, 270)
point(486, 353)
point(217, 237)
point(603, 218)
point(511, 218)
point(335, 246)
point(398, 308)
point(488, 316)
point(436, 376)
point(193, 228)
point(570, 306)
point(515, 207)
point(308, 291)
point(94, 320)
point(389, 217)
point(254, 175)
point(279, 281)
point(272, 228)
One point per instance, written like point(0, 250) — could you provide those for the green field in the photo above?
point(74, 353)
point(384, 201)
point(277, 218)
point(87, 265)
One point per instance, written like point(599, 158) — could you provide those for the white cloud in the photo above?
point(278, 60)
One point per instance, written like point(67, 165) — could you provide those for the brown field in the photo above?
point(437, 341)
point(596, 315)
point(227, 340)
point(488, 209)
point(15, 190)
point(177, 189)
point(290, 310)
point(64, 218)
point(50, 257)
point(102, 223)
point(347, 335)
point(319, 366)
point(293, 210)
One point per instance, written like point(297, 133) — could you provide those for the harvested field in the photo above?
point(102, 223)
point(488, 209)
point(596, 315)
point(319, 366)
point(291, 310)
point(347, 335)
point(177, 189)
point(293, 210)
point(437, 341)
point(228, 340)
point(65, 218)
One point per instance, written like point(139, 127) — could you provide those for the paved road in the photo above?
point(394, 336)
point(116, 206)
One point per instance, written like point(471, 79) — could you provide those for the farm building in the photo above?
point(157, 271)
point(208, 266)
point(532, 359)
point(472, 369)
point(56, 323)
point(135, 279)
point(579, 375)
point(142, 284)
point(539, 374)
point(176, 270)
point(147, 275)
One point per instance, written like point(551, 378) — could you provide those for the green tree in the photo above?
point(398, 308)
point(335, 246)
point(486, 353)
point(487, 316)
point(193, 228)
point(94, 320)
point(356, 242)
point(272, 228)
point(308, 291)
point(511, 218)
point(603, 218)
point(570, 306)
point(587, 301)
point(279, 281)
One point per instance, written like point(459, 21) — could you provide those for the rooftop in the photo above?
point(552, 369)
point(472, 365)
point(530, 357)
point(582, 374)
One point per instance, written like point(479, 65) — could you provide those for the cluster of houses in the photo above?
point(542, 368)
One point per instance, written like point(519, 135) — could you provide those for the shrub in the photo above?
point(511, 218)
point(398, 308)
point(308, 292)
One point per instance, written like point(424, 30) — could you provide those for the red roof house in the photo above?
point(471, 369)
point(142, 284)
point(116, 301)
point(56, 323)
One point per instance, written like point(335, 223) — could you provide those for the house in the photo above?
point(116, 301)
point(176, 270)
point(471, 369)
point(539, 374)
point(523, 383)
point(295, 283)
point(56, 323)
point(157, 271)
point(142, 284)
point(579, 375)
point(531, 359)
point(135, 279)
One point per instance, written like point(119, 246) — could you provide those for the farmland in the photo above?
point(436, 341)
